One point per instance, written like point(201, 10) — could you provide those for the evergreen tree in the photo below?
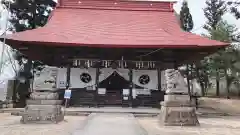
point(186, 24)
point(186, 21)
point(234, 8)
point(224, 60)
point(29, 14)
point(213, 12)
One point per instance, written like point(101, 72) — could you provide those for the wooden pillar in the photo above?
point(188, 82)
point(68, 82)
point(97, 85)
point(191, 73)
point(159, 79)
point(130, 87)
point(175, 65)
point(68, 76)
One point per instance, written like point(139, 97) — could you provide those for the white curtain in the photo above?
point(163, 81)
point(153, 83)
point(106, 72)
point(61, 78)
point(76, 82)
point(123, 72)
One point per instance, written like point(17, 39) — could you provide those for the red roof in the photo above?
point(111, 24)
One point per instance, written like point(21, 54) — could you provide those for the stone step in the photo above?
point(44, 96)
point(44, 102)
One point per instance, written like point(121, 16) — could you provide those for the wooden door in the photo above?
point(113, 97)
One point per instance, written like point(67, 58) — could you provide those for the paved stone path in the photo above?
point(146, 110)
point(111, 124)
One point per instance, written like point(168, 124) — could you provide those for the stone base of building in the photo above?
point(43, 108)
point(176, 111)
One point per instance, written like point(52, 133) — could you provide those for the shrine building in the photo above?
point(112, 52)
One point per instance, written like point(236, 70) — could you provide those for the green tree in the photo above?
point(224, 59)
point(214, 11)
point(234, 8)
point(202, 74)
point(186, 21)
point(186, 24)
point(29, 14)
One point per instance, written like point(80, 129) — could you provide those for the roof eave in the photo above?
point(11, 42)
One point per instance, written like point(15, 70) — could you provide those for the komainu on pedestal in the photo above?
point(177, 108)
point(43, 107)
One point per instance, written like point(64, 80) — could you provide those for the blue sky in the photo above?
point(196, 9)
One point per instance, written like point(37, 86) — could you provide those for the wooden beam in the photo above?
point(53, 55)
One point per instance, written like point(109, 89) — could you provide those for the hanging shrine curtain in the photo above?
point(153, 79)
point(61, 78)
point(106, 72)
point(75, 77)
point(76, 82)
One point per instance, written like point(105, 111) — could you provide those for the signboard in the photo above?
point(125, 98)
point(125, 91)
point(143, 92)
point(67, 94)
point(62, 84)
point(90, 88)
point(101, 91)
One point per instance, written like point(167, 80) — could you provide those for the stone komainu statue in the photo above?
point(177, 109)
point(44, 106)
point(175, 82)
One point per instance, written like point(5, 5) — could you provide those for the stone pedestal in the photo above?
point(10, 100)
point(177, 109)
point(43, 107)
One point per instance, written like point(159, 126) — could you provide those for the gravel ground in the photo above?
point(209, 126)
point(219, 105)
point(10, 125)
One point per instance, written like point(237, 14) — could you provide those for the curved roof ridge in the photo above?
point(118, 5)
